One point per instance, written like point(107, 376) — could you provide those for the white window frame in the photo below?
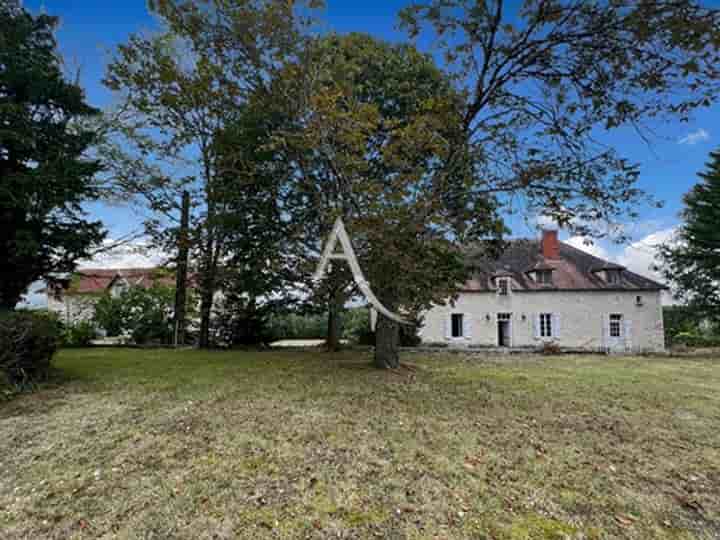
point(539, 278)
point(615, 319)
point(461, 325)
point(507, 289)
point(546, 323)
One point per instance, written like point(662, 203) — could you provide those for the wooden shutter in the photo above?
point(448, 326)
point(606, 330)
point(628, 334)
point(556, 325)
point(536, 322)
point(467, 326)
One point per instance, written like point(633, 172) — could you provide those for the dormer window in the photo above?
point(544, 277)
point(503, 286)
point(613, 276)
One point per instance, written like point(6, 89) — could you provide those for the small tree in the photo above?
point(692, 261)
point(44, 178)
point(181, 90)
point(145, 315)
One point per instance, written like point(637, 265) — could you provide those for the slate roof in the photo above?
point(575, 270)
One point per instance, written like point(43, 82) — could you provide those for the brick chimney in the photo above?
point(550, 245)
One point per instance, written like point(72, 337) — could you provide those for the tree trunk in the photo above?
point(206, 302)
point(335, 308)
point(181, 276)
point(387, 343)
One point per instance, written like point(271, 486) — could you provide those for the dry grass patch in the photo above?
point(164, 444)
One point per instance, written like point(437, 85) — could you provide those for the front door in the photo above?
point(504, 330)
point(615, 332)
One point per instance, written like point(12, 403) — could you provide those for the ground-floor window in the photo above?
point(457, 325)
point(616, 325)
point(546, 327)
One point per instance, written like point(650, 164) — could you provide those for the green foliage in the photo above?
point(44, 178)
point(298, 326)
point(79, 334)
point(28, 342)
point(695, 338)
point(240, 320)
point(182, 91)
point(109, 314)
point(356, 325)
point(540, 81)
point(685, 325)
point(144, 315)
point(382, 122)
point(692, 260)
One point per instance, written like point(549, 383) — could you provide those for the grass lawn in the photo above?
point(166, 444)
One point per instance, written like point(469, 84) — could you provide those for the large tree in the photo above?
point(181, 90)
point(45, 176)
point(547, 83)
point(368, 126)
point(692, 259)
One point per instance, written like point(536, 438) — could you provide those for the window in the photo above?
point(613, 276)
point(616, 325)
point(504, 316)
point(457, 325)
point(639, 301)
point(503, 286)
point(546, 327)
point(544, 277)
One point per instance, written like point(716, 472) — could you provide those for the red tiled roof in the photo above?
point(91, 281)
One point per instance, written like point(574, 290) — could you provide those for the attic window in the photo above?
point(613, 276)
point(503, 286)
point(544, 277)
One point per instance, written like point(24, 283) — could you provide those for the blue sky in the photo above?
point(91, 29)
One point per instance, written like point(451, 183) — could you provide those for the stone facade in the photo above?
point(577, 320)
point(543, 292)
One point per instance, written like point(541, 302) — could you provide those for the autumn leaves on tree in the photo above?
point(276, 129)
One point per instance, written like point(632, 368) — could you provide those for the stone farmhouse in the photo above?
point(545, 292)
point(74, 298)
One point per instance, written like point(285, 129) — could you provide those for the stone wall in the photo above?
point(580, 320)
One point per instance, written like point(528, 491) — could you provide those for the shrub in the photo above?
point(79, 334)
point(696, 339)
point(28, 342)
point(298, 326)
point(109, 314)
point(356, 325)
point(240, 322)
point(146, 315)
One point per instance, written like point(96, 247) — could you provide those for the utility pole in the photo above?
point(181, 274)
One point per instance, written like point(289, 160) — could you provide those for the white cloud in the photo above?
point(137, 254)
point(546, 222)
point(695, 137)
point(593, 248)
point(638, 257)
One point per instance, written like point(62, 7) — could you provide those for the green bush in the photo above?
point(109, 314)
point(79, 334)
point(145, 315)
point(356, 326)
point(696, 339)
point(28, 342)
point(298, 326)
